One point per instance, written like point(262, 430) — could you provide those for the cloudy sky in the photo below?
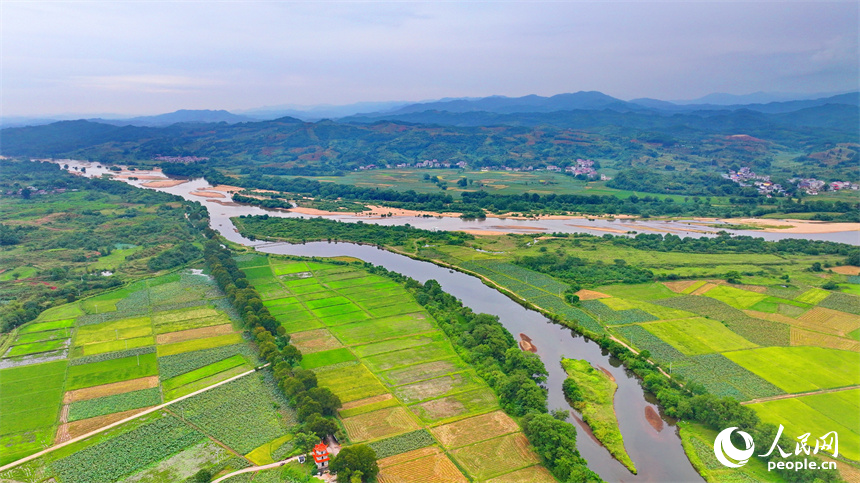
point(149, 57)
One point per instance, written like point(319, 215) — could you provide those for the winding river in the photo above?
point(650, 438)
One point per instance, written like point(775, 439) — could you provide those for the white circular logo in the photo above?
point(723, 447)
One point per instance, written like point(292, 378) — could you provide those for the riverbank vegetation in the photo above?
point(65, 237)
point(592, 392)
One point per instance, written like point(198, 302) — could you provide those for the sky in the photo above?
point(150, 57)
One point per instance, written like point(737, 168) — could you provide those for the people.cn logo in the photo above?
point(723, 447)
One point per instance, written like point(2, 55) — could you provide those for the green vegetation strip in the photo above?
point(114, 404)
point(593, 394)
point(114, 370)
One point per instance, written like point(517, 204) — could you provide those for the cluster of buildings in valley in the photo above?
point(180, 159)
point(813, 186)
point(746, 177)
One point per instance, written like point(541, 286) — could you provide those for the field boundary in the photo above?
point(799, 394)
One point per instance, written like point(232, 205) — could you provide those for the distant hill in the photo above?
point(180, 116)
point(531, 103)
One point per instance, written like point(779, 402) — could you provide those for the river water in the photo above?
point(650, 438)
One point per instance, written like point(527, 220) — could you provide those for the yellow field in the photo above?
point(806, 337)
point(472, 430)
point(110, 389)
point(496, 456)
point(190, 334)
point(433, 468)
point(311, 341)
point(532, 474)
point(380, 424)
point(681, 285)
point(841, 322)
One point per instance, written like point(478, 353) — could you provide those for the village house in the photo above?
point(320, 455)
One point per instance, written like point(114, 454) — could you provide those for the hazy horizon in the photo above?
point(145, 58)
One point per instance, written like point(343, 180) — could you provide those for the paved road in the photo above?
point(113, 425)
point(789, 396)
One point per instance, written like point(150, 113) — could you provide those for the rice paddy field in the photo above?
point(404, 389)
point(83, 366)
point(760, 339)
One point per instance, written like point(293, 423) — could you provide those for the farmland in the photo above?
point(130, 349)
point(398, 376)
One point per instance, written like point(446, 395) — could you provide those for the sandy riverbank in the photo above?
point(794, 226)
point(167, 183)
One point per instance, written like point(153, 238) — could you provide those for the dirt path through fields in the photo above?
point(789, 396)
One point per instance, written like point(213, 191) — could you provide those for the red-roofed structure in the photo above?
point(320, 455)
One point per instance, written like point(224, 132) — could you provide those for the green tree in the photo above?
point(354, 459)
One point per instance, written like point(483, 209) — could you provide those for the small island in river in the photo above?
point(592, 392)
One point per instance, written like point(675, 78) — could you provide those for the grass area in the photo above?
point(801, 369)
point(698, 335)
point(595, 399)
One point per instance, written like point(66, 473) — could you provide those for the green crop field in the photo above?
point(351, 383)
point(198, 344)
point(114, 370)
point(812, 296)
point(57, 334)
point(44, 326)
point(456, 405)
point(378, 329)
point(30, 396)
point(327, 358)
point(421, 371)
point(436, 387)
point(799, 418)
point(205, 371)
point(116, 345)
point(413, 355)
point(698, 335)
point(35, 348)
point(92, 408)
point(800, 369)
point(398, 344)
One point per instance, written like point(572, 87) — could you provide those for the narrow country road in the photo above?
point(113, 425)
point(789, 396)
point(256, 468)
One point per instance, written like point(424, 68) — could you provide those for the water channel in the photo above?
point(650, 438)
